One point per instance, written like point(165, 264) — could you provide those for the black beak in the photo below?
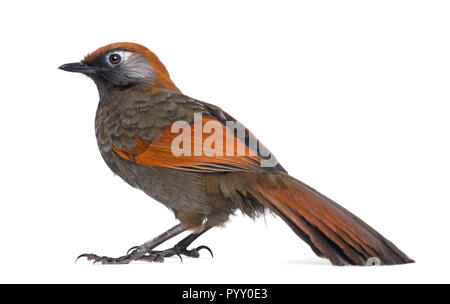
point(78, 67)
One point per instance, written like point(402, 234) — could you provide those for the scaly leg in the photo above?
point(179, 249)
point(140, 253)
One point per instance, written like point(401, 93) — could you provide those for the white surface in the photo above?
point(351, 96)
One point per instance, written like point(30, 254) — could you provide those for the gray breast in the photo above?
point(174, 188)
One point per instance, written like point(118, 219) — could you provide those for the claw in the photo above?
point(168, 253)
point(131, 249)
point(88, 256)
point(205, 247)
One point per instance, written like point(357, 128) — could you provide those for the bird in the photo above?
point(205, 166)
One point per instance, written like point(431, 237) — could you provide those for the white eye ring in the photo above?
point(115, 59)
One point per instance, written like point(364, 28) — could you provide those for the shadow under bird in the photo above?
point(139, 105)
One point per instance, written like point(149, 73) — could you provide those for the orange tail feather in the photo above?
point(331, 231)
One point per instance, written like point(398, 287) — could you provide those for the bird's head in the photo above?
point(123, 65)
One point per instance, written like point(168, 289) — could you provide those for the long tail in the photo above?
point(331, 231)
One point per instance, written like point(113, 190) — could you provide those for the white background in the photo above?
point(351, 96)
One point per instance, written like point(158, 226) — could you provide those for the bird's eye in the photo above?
point(115, 59)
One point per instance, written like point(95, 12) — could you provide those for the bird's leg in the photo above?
point(139, 252)
point(179, 249)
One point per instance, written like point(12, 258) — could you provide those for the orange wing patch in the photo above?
point(207, 146)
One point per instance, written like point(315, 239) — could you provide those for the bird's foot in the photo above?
point(177, 250)
point(123, 259)
point(138, 253)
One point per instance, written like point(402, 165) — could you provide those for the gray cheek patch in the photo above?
point(137, 69)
